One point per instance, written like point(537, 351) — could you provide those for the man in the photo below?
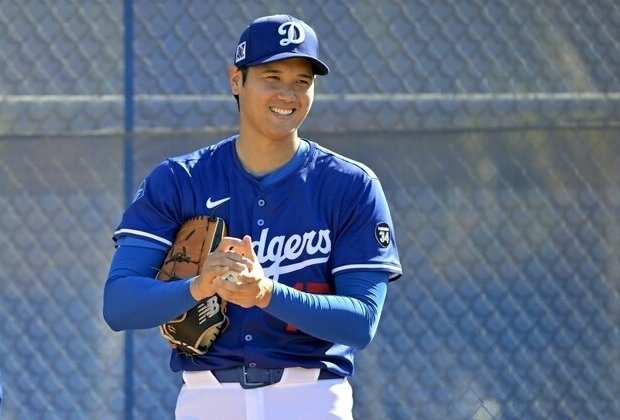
point(310, 238)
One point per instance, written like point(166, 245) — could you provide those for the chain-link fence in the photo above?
point(493, 125)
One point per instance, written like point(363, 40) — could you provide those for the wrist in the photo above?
point(193, 288)
point(196, 289)
point(267, 292)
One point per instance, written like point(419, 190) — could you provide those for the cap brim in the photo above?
point(318, 66)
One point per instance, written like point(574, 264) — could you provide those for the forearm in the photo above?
point(134, 299)
point(134, 302)
point(350, 319)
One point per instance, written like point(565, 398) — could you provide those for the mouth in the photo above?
point(282, 111)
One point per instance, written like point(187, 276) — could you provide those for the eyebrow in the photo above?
point(276, 71)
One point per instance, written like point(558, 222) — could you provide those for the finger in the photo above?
point(247, 261)
point(248, 249)
point(224, 258)
point(219, 266)
point(228, 242)
point(236, 266)
point(218, 269)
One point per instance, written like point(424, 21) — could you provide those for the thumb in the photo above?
point(248, 249)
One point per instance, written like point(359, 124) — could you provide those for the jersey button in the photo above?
point(260, 222)
point(261, 202)
point(252, 364)
point(248, 337)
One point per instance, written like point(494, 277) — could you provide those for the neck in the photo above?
point(262, 157)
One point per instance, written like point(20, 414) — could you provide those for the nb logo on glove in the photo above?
point(210, 308)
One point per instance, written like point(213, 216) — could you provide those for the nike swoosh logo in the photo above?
point(213, 204)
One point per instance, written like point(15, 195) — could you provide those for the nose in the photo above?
point(287, 92)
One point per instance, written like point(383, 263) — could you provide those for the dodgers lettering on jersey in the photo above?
point(329, 215)
point(277, 256)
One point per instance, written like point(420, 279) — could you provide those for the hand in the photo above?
point(251, 288)
point(225, 258)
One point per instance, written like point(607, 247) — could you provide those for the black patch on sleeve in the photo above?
point(382, 234)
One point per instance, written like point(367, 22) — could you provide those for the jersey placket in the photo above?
point(259, 222)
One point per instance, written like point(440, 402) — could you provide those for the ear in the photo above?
point(235, 78)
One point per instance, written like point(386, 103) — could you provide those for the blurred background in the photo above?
point(493, 125)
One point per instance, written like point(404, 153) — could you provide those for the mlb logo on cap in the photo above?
point(240, 52)
point(278, 37)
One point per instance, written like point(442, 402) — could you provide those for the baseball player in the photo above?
point(310, 241)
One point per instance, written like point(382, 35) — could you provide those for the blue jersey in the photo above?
point(328, 216)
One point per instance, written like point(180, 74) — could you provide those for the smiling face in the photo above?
point(275, 98)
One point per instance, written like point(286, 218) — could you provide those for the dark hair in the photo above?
point(244, 75)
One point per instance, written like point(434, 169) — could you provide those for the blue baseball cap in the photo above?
point(277, 37)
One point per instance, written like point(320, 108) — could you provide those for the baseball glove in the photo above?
point(194, 331)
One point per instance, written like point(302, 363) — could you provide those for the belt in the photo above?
point(249, 377)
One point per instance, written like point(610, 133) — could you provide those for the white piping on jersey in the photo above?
point(145, 234)
point(360, 165)
point(274, 272)
point(396, 270)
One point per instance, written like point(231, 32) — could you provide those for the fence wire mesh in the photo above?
point(494, 127)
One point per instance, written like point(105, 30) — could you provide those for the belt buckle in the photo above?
point(245, 384)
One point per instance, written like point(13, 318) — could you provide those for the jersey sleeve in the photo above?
point(155, 213)
point(365, 240)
